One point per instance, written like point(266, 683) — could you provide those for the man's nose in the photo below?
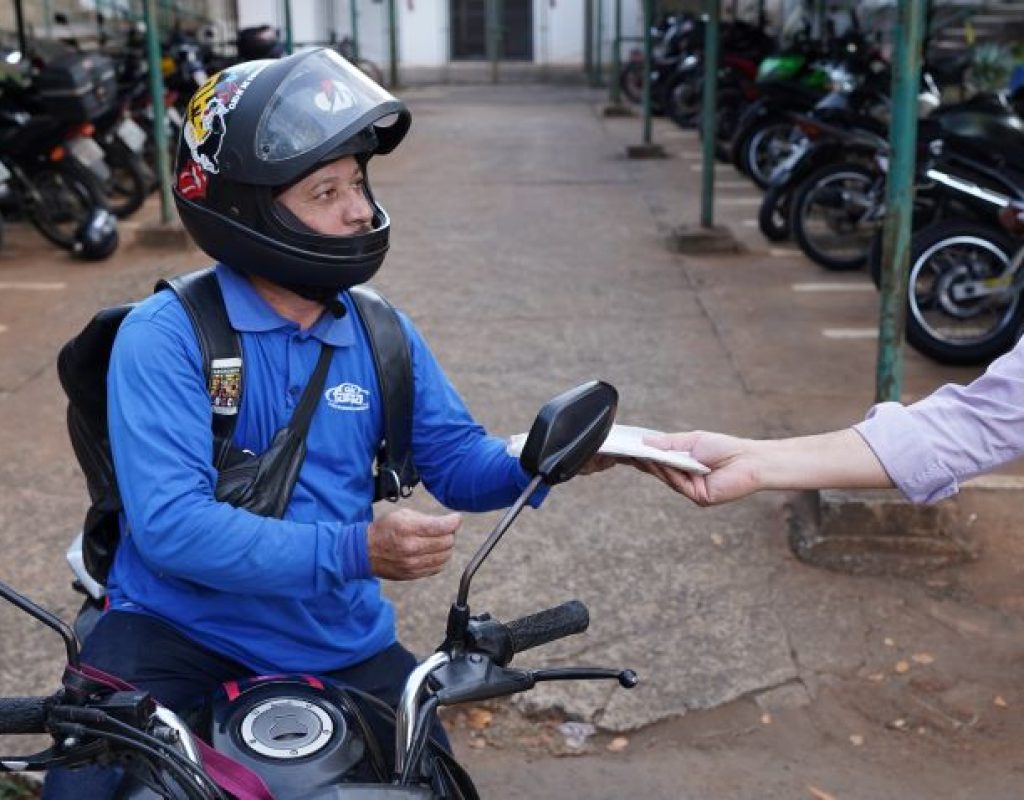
point(358, 212)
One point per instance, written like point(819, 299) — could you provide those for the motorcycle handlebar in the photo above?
point(23, 714)
point(548, 625)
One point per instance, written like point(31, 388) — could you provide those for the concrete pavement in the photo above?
point(531, 254)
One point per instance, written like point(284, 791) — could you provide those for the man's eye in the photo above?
point(326, 194)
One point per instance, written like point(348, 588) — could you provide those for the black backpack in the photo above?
point(82, 367)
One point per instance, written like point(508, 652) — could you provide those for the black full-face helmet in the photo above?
point(260, 126)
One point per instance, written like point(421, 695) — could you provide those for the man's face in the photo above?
point(332, 200)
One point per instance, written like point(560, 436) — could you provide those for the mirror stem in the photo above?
point(492, 540)
point(45, 617)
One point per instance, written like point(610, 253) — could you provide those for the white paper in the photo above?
point(627, 440)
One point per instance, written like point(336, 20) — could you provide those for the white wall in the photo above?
point(423, 27)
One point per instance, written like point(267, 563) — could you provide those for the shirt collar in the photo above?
point(250, 313)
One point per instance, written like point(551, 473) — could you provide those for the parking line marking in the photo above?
point(699, 167)
point(735, 185)
point(750, 223)
point(857, 286)
point(781, 252)
point(850, 333)
point(33, 286)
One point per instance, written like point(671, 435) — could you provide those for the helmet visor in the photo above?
point(324, 100)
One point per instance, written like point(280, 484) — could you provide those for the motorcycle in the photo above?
point(290, 737)
point(52, 168)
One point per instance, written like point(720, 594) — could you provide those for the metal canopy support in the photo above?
point(156, 89)
point(392, 44)
point(614, 90)
point(712, 11)
point(19, 20)
point(899, 198)
point(599, 45)
point(289, 41)
point(648, 44)
point(494, 11)
point(354, 13)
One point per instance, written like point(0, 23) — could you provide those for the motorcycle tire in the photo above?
point(940, 256)
point(631, 82)
point(760, 152)
point(773, 218)
point(683, 100)
point(128, 185)
point(67, 193)
point(855, 254)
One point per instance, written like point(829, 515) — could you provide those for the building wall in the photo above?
point(424, 31)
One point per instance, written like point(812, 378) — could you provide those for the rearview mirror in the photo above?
point(569, 430)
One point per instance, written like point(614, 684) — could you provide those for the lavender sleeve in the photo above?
point(955, 433)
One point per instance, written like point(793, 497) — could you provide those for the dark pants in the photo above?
point(179, 673)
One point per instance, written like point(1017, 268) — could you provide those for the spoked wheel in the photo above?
point(128, 185)
point(631, 81)
point(683, 100)
point(62, 201)
point(958, 309)
point(835, 213)
point(766, 147)
point(773, 218)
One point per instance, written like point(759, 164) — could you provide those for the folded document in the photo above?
point(627, 440)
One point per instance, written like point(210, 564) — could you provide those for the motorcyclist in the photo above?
point(271, 182)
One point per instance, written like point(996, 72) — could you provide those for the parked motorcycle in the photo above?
point(52, 168)
point(291, 737)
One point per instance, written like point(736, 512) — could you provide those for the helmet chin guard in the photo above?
point(262, 125)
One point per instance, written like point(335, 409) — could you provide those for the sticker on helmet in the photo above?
point(334, 96)
point(192, 182)
point(207, 110)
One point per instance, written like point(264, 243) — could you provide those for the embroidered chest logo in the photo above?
point(348, 397)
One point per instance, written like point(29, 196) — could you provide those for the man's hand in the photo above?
point(405, 544)
point(734, 472)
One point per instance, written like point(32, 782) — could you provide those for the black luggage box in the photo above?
point(77, 87)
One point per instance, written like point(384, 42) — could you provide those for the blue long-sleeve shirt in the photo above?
point(294, 594)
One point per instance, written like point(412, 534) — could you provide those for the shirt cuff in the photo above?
point(891, 432)
point(353, 551)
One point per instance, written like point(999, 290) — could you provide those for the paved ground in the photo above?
point(530, 252)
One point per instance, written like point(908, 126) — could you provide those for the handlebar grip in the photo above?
point(23, 714)
point(548, 625)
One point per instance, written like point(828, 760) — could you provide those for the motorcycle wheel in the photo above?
point(952, 330)
point(683, 100)
point(128, 185)
point(773, 218)
point(66, 194)
point(631, 81)
point(830, 229)
point(766, 146)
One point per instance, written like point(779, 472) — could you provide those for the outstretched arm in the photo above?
point(739, 467)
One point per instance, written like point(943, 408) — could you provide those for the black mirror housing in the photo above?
point(569, 430)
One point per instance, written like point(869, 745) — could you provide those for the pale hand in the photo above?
point(734, 471)
point(406, 544)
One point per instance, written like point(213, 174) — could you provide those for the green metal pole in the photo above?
point(899, 198)
point(288, 41)
point(712, 10)
point(648, 21)
point(354, 13)
point(156, 90)
point(392, 44)
point(614, 90)
point(588, 39)
point(497, 35)
point(48, 19)
point(599, 45)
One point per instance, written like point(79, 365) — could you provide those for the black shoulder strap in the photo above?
point(200, 294)
point(396, 473)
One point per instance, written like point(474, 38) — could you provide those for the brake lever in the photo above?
point(627, 678)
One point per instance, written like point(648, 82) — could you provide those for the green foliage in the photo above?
point(991, 66)
point(14, 788)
